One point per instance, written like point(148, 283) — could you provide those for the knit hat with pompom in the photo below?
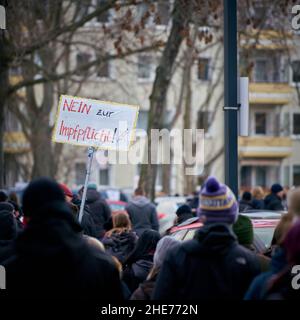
point(217, 203)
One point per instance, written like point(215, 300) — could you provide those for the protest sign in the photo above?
point(93, 123)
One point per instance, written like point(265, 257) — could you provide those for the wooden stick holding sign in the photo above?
point(94, 124)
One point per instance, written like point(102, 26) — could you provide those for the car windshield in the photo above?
point(265, 235)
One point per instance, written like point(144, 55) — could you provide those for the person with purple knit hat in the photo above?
point(212, 265)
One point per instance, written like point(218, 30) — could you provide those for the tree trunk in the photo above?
point(189, 180)
point(3, 88)
point(43, 162)
point(160, 88)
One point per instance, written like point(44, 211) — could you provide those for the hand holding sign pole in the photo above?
point(94, 124)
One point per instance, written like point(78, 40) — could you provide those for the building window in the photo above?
point(296, 123)
point(145, 68)
point(163, 12)
point(260, 123)
point(296, 176)
point(104, 176)
point(82, 9)
point(80, 171)
point(296, 71)
point(105, 16)
point(261, 176)
point(286, 175)
point(103, 71)
point(203, 69)
point(261, 71)
point(246, 173)
point(204, 120)
point(82, 59)
point(286, 124)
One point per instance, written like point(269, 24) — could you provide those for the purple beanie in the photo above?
point(217, 202)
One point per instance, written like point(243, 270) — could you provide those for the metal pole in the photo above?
point(91, 151)
point(230, 95)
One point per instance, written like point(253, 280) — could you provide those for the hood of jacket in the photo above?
point(119, 239)
point(92, 195)
point(140, 201)
point(142, 267)
point(212, 239)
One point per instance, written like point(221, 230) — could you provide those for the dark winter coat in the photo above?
point(87, 222)
point(8, 232)
point(145, 290)
point(258, 204)
point(245, 205)
point(99, 211)
point(273, 202)
point(137, 272)
point(52, 259)
point(120, 244)
point(258, 287)
point(142, 214)
point(211, 266)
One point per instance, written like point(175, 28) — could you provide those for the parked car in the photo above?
point(263, 229)
point(116, 205)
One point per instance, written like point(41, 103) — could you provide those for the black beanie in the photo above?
point(40, 193)
point(184, 209)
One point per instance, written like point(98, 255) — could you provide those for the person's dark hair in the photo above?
point(146, 244)
point(139, 191)
point(247, 196)
point(3, 196)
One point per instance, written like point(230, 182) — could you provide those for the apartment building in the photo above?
point(270, 153)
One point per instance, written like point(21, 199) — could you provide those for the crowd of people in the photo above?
point(275, 200)
point(121, 255)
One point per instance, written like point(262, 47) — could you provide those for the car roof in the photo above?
point(195, 224)
point(262, 214)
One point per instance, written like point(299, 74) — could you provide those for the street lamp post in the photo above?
point(230, 95)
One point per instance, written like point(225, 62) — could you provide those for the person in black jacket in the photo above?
point(142, 213)
point(8, 230)
point(120, 240)
point(140, 261)
point(184, 213)
point(274, 200)
point(87, 222)
point(246, 202)
point(52, 259)
point(98, 208)
point(212, 265)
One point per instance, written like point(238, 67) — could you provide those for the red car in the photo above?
point(263, 230)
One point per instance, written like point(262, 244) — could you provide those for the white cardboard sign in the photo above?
point(100, 124)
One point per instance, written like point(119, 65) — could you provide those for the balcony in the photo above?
point(15, 142)
point(265, 147)
point(270, 93)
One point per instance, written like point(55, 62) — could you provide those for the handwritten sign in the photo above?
point(100, 124)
